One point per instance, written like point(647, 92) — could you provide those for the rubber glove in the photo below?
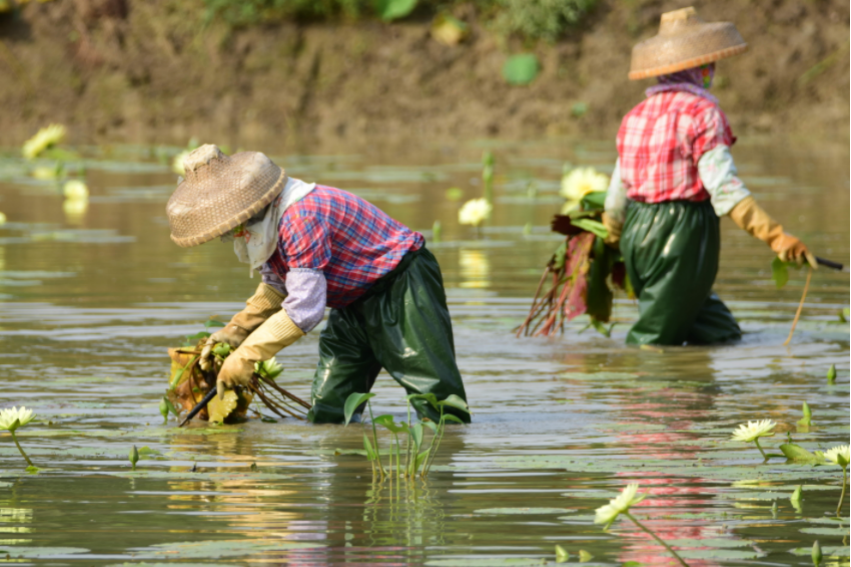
point(277, 332)
point(265, 302)
point(752, 218)
point(614, 227)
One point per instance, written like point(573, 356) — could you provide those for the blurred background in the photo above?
point(337, 72)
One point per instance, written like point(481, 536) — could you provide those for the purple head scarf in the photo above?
point(695, 80)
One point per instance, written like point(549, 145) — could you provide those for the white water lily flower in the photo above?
point(626, 499)
point(44, 139)
point(475, 211)
point(840, 455)
point(578, 183)
point(75, 189)
point(754, 430)
point(8, 417)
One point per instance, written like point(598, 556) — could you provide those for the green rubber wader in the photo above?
point(671, 253)
point(401, 324)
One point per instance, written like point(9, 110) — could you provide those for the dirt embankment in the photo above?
point(146, 70)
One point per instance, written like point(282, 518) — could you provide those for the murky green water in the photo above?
point(91, 300)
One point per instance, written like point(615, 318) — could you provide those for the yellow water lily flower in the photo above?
point(840, 455)
point(754, 430)
point(617, 506)
point(44, 139)
point(9, 416)
point(579, 182)
point(474, 212)
point(75, 189)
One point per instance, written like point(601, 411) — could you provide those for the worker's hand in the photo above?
point(614, 228)
point(231, 334)
point(237, 370)
point(790, 249)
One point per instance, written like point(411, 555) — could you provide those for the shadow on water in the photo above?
point(92, 299)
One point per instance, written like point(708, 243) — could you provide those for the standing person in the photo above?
point(318, 246)
point(674, 178)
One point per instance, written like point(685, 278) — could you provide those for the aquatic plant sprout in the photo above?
point(753, 430)
point(578, 183)
point(270, 369)
point(620, 505)
point(44, 139)
point(841, 456)
point(474, 212)
point(12, 419)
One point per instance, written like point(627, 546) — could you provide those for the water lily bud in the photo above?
point(134, 456)
point(831, 374)
point(816, 553)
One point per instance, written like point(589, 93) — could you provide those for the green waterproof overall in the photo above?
point(402, 325)
point(671, 254)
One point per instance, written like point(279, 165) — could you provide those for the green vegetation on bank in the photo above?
point(544, 19)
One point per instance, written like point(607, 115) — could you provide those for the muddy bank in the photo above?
point(149, 71)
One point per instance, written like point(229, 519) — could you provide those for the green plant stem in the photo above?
point(408, 444)
point(842, 495)
point(398, 457)
point(441, 427)
point(375, 440)
point(30, 463)
point(654, 536)
point(764, 456)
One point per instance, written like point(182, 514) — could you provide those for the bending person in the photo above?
point(673, 179)
point(318, 246)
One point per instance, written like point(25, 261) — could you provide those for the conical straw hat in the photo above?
point(220, 192)
point(684, 41)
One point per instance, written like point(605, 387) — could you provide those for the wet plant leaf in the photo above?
point(456, 402)
point(521, 69)
point(561, 555)
point(452, 418)
point(584, 556)
point(220, 407)
point(430, 398)
point(353, 402)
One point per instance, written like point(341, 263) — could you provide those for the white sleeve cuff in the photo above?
point(718, 174)
point(616, 195)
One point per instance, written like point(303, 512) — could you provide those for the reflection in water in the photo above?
point(475, 269)
point(92, 302)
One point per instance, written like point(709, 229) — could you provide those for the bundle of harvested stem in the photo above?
point(582, 274)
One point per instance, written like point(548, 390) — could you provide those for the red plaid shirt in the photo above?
point(660, 142)
point(350, 240)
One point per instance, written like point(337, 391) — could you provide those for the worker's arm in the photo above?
point(729, 196)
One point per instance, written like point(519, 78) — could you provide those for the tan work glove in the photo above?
point(277, 332)
point(265, 302)
point(614, 227)
point(751, 217)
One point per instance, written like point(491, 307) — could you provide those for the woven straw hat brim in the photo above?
point(700, 45)
point(221, 195)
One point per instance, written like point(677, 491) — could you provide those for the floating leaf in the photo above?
point(561, 555)
point(389, 10)
point(210, 323)
point(521, 69)
point(353, 402)
point(585, 556)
